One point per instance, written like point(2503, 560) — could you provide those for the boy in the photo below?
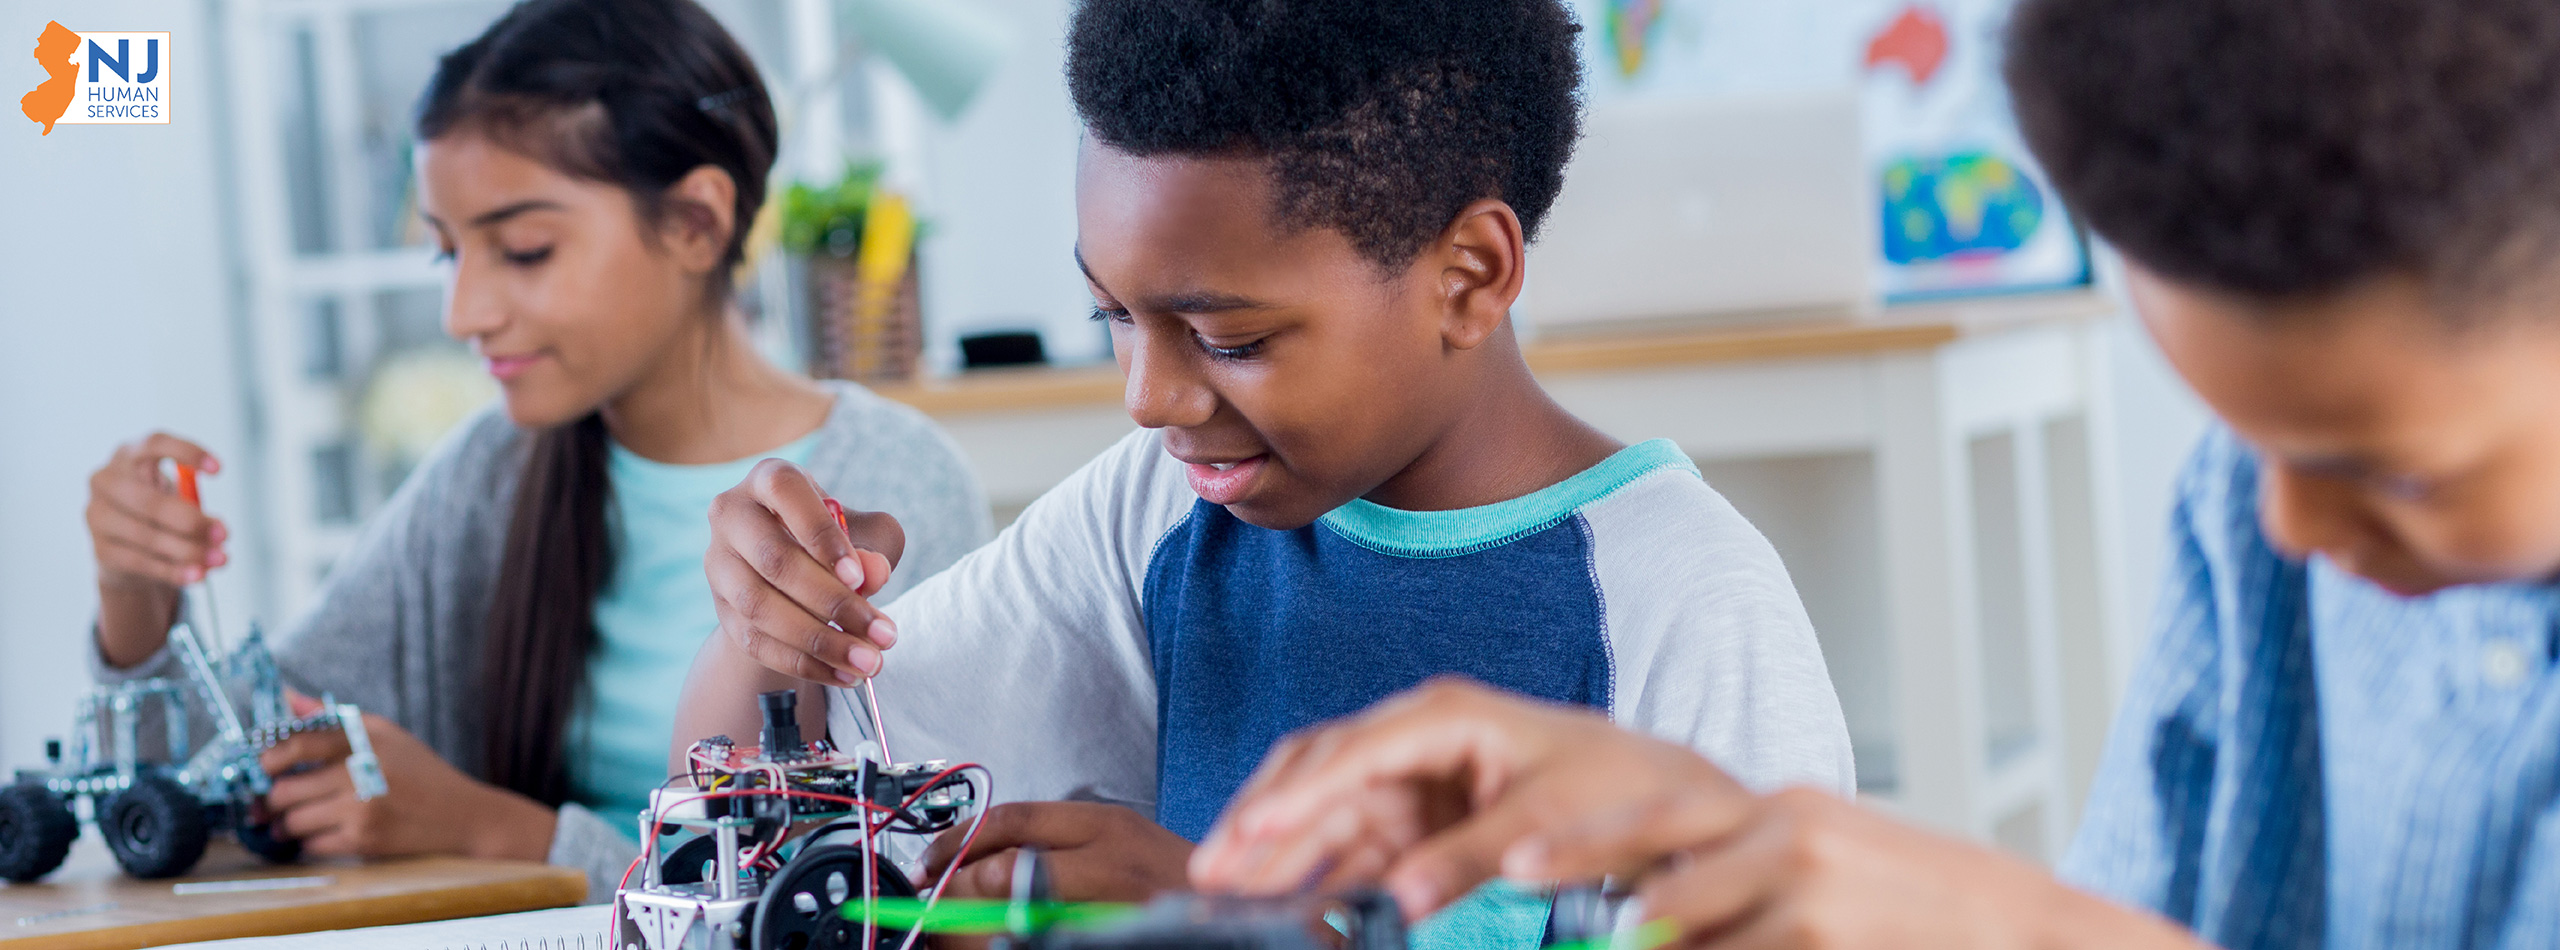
point(1303, 221)
point(2340, 220)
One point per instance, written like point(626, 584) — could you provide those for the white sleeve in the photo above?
point(1029, 655)
point(1712, 647)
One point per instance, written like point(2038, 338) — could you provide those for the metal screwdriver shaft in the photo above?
point(200, 594)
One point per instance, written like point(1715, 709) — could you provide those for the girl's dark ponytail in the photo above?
point(559, 555)
point(638, 93)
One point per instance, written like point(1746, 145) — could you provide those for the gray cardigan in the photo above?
point(397, 628)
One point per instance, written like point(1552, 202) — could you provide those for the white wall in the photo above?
point(115, 318)
point(1000, 202)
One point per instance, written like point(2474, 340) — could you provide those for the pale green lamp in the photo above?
point(946, 49)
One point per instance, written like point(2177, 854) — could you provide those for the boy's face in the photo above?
point(2410, 453)
point(1289, 373)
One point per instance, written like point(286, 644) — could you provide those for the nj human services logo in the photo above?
point(99, 78)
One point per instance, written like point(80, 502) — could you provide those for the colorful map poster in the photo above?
point(1961, 207)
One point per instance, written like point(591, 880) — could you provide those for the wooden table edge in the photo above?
point(533, 892)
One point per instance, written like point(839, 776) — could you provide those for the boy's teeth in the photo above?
point(1222, 466)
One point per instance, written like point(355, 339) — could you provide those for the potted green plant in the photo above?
point(857, 242)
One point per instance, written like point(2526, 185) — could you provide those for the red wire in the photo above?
point(650, 847)
point(966, 841)
point(626, 872)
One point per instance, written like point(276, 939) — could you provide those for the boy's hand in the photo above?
point(1802, 868)
point(1095, 852)
point(429, 807)
point(1437, 791)
point(782, 569)
point(1424, 793)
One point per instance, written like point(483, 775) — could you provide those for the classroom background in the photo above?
point(1801, 240)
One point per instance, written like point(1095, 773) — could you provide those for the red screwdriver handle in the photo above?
point(187, 485)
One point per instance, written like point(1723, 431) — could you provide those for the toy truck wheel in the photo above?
point(263, 841)
point(156, 828)
point(36, 828)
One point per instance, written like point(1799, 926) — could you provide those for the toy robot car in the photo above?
point(774, 840)
point(158, 814)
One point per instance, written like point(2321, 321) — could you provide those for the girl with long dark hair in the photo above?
point(522, 612)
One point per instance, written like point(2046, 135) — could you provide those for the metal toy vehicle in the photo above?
point(774, 840)
point(157, 813)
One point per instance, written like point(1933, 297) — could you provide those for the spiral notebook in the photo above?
point(567, 928)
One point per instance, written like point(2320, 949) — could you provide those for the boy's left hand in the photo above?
point(1095, 852)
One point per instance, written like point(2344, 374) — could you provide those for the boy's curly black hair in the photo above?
point(2281, 148)
point(1380, 118)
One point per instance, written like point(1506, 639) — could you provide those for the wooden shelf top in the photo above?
point(90, 905)
point(1649, 346)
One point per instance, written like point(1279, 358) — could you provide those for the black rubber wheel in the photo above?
point(36, 828)
point(262, 840)
point(685, 865)
point(800, 909)
point(156, 827)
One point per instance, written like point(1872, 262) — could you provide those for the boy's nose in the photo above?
point(1161, 390)
point(2303, 514)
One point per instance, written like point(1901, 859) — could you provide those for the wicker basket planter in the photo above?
point(842, 344)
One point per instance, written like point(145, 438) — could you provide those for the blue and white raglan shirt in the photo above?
point(1127, 642)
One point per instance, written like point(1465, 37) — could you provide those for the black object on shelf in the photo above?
point(1006, 348)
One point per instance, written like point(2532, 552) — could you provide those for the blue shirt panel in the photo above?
point(2305, 760)
point(651, 618)
point(1258, 633)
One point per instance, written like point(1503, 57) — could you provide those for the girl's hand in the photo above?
point(430, 806)
point(782, 569)
point(148, 543)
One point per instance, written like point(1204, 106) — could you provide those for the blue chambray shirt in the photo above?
point(2305, 760)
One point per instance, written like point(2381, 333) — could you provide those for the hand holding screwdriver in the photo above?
point(149, 541)
point(791, 583)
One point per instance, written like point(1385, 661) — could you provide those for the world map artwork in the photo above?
point(1631, 26)
point(1969, 205)
point(1959, 205)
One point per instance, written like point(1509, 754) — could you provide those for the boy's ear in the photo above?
point(700, 213)
point(1480, 266)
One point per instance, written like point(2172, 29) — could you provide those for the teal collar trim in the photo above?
point(1468, 530)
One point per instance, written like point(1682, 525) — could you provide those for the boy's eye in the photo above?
point(1241, 352)
point(1114, 315)
point(525, 258)
point(2403, 487)
point(444, 254)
